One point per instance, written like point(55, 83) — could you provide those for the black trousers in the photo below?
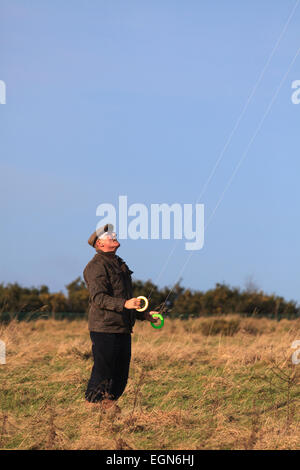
point(112, 353)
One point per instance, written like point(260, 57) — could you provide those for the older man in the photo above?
point(112, 315)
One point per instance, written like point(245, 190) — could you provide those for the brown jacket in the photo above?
point(108, 280)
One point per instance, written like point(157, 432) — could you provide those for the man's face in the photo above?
point(108, 244)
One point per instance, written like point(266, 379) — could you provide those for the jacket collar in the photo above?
point(108, 254)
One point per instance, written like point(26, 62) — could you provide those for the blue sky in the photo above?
point(138, 98)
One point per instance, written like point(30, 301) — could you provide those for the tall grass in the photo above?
point(192, 385)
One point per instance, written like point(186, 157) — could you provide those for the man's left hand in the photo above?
point(148, 316)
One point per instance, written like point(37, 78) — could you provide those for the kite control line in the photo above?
point(142, 309)
point(155, 315)
point(158, 315)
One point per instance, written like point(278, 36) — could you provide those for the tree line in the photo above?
point(29, 303)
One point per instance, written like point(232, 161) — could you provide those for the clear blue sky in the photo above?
point(138, 98)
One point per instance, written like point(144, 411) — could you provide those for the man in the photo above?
point(112, 315)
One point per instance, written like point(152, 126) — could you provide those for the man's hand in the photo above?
point(133, 303)
point(148, 316)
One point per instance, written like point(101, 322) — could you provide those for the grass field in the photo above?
point(190, 387)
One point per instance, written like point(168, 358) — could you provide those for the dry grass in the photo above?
point(187, 389)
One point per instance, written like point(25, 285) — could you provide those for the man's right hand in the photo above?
point(133, 303)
